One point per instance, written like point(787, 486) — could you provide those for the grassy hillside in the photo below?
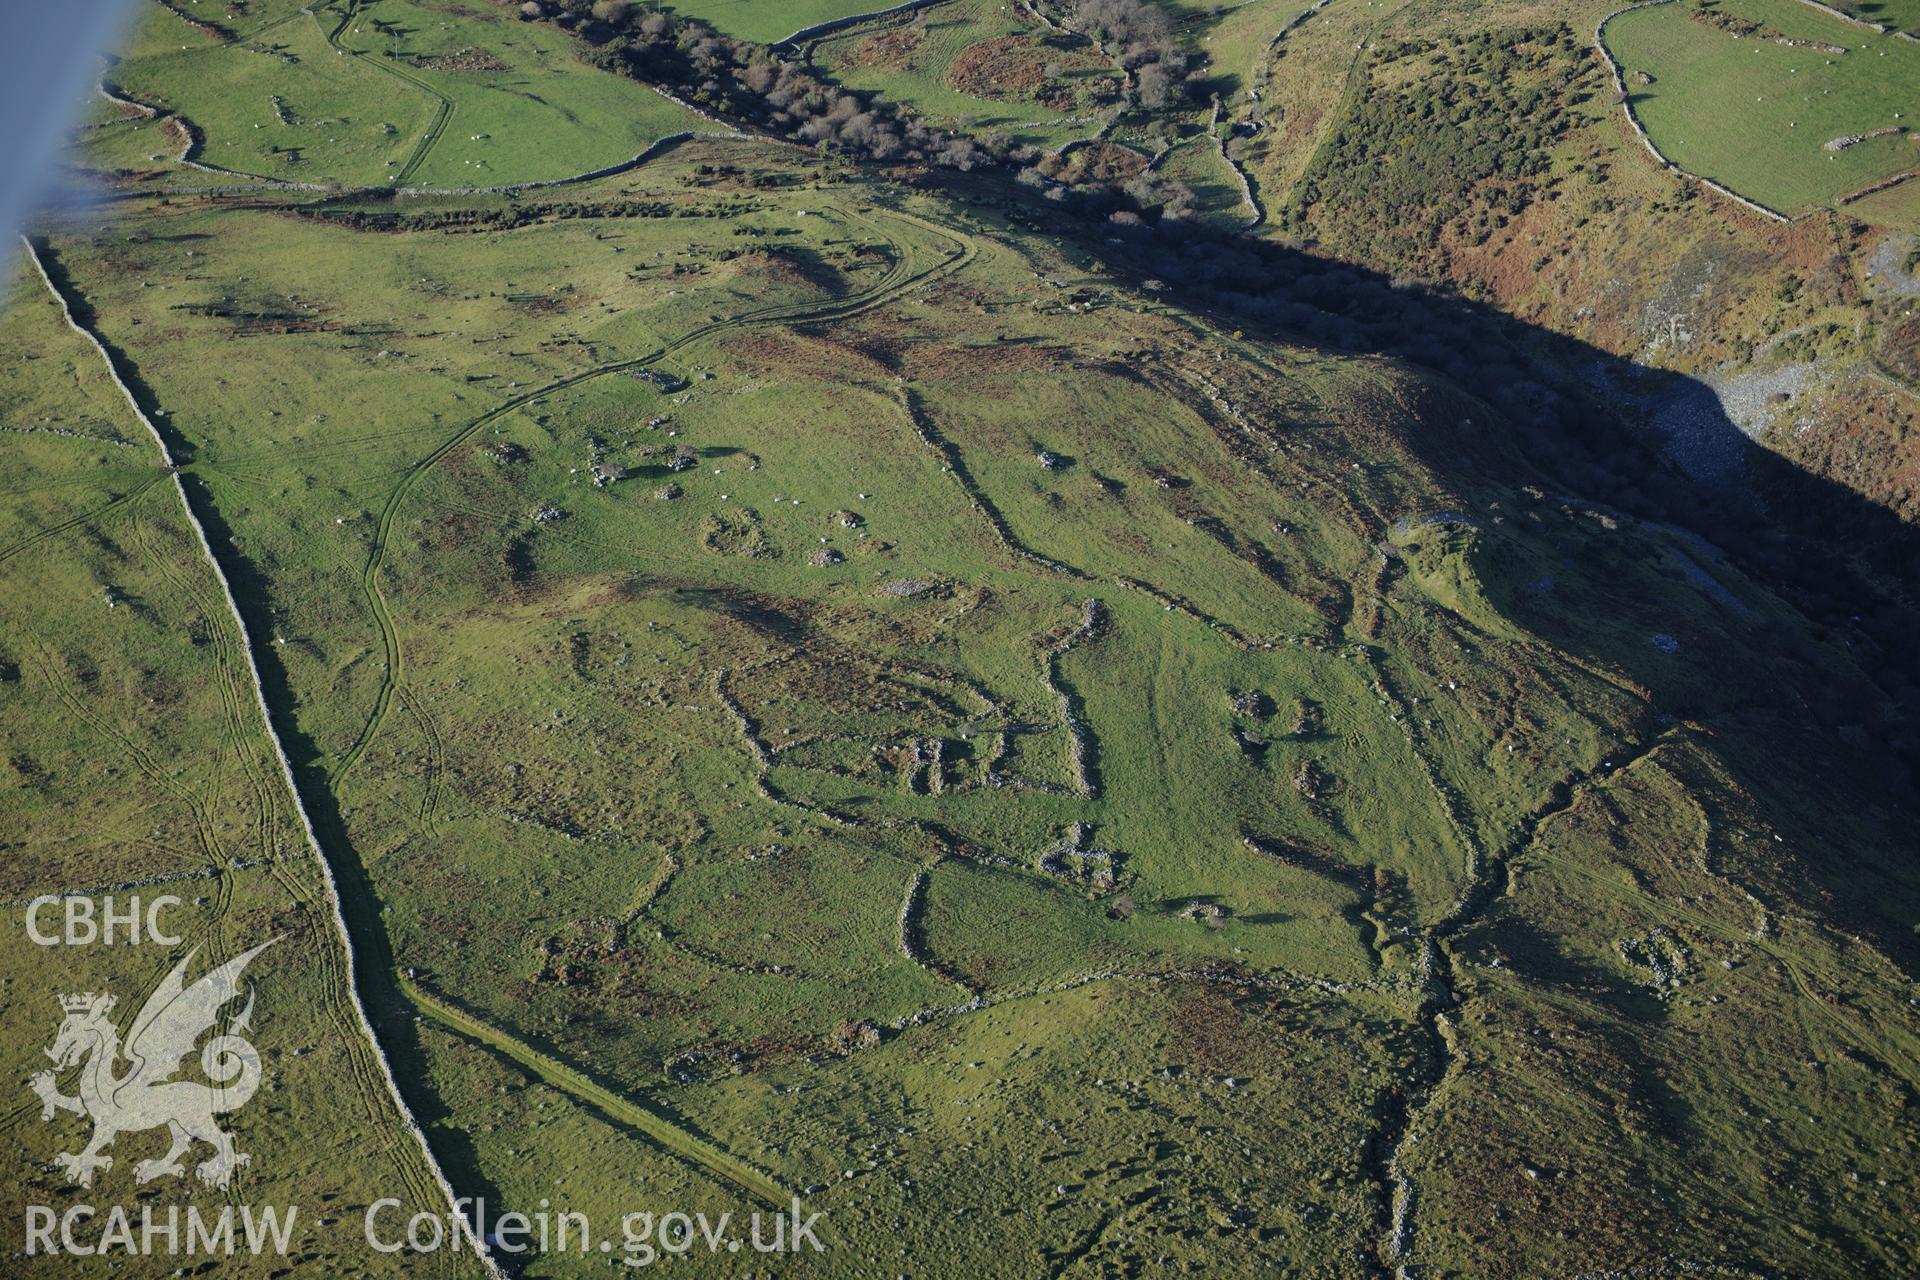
point(393, 93)
point(137, 767)
point(766, 23)
point(1693, 70)
point(868, 685)
point(283, 103)
point(518, 104)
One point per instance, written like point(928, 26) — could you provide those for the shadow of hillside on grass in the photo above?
point(1557, 411)
point(1516, 405)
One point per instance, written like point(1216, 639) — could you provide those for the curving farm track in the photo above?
point(363, 979)
point(353, 976)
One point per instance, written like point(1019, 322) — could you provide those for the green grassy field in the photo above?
point(284, 104)
point(1199, 164)
point(1897, 207)
point(765, 23)
point(391, 93)
point(137, 765)
point(522, 107)
point(1902, 15)
point(1757, 115)
point(1238, 41)
point(809, 685)
point(679, 727)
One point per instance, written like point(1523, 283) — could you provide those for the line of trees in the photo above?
point(1141, 35)
point(747, 82)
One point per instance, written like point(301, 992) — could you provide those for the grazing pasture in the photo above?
point(812, 683)
point(765, 23)
point(519, 104)
point(391, 93)
point(1761, 116)
point(137, 766)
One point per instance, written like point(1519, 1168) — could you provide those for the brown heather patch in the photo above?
point(1210, 1033)
point(461, 60)
point(1862, 435)
point(944, 363)
point(552, 303)
point(1105, 162)
point(848, 684)
point(454, 531)
point(1505, 263)
point(777, 270)
point(1014, 67)
point(1901, 347)
point(888, 49)
point(808, 356)
point(1004, 67)
point(1131, 541)
point(775, 1049)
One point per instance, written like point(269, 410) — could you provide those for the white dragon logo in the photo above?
point(145, 1096)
